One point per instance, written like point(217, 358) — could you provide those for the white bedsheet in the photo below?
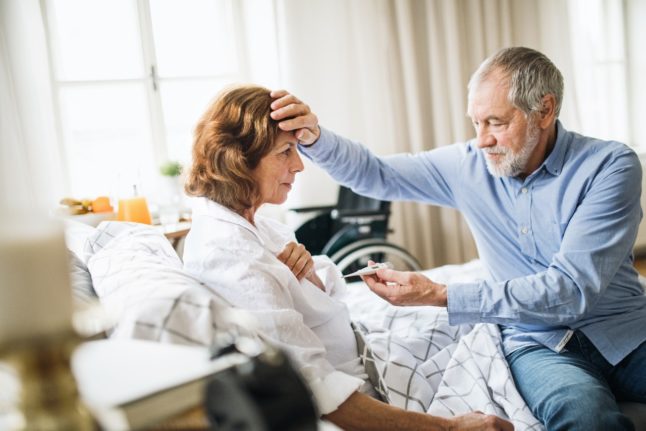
point(428, 365)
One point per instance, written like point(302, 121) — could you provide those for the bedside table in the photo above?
point(175, 232)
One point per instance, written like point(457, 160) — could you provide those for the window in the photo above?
point(609, 64)
point(635, 14)
point(132, 77)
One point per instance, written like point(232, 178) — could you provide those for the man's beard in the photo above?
point(513, 164)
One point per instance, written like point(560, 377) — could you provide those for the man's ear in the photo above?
point(547, 114)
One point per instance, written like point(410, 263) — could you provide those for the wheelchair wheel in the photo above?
point(356, 255)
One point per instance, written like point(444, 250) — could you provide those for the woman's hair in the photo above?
point(531, 76)
point(232, 136)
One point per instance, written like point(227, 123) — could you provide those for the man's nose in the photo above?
point(484, 138)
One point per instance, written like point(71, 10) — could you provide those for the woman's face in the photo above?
point(276, 171)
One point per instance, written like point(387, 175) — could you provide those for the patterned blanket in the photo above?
point(429, 366)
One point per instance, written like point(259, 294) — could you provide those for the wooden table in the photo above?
point(175, 232)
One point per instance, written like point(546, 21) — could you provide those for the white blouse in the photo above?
point(239, 261)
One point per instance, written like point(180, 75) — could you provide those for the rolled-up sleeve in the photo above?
point(331, 390)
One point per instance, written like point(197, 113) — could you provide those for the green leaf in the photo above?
point(171, 169)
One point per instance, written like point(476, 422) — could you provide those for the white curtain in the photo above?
point(31, 163)
point(635, 37)
point(393, 74)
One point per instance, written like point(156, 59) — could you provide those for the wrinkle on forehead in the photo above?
point(489, 99)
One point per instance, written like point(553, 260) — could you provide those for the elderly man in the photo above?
point(554, 215)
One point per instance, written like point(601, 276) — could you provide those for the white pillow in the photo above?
point(76, 236)
point(82, 289)
point(140, 279)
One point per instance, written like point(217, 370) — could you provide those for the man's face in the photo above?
point(506, 136)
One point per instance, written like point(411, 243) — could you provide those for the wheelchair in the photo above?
point(353, 232)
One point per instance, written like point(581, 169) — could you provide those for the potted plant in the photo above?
point(171, 169)
point(169, 209)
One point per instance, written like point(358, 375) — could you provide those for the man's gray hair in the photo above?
point(531, 76)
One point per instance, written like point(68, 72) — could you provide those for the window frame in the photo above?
point(149, 80)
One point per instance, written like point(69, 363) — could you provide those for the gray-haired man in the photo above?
point(554, 215)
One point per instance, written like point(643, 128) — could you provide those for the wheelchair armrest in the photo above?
point(327, 208)
point(364, 214)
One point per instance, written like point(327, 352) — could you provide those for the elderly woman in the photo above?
point(242, 160)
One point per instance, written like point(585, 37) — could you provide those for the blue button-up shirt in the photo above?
point(557, 245)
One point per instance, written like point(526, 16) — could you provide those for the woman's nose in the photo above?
point(297, 163)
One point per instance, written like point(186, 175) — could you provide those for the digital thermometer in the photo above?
point(370, 269)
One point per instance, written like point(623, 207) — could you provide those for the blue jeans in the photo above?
point(578, 389)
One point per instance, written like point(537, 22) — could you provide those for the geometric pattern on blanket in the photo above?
point(430, 366)
point(370, 365)
point(477, 377)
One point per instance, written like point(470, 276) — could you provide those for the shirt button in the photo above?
point(524, 190)
point(524, 230)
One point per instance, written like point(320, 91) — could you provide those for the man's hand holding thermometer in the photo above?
point(403, 287)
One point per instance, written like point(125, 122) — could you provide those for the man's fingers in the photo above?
point(292, 110)
point(278, 93)
point(285, 100)
point(377, 283)
point(294, 115)
point(399, 277)
point(305, 136)
point(282, 97)
point(307, 121)
point(377, 286)
point(371, 277)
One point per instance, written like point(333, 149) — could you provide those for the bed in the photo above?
point(422, 362)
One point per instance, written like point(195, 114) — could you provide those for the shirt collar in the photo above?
point(202, 206)
point(554, 162)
